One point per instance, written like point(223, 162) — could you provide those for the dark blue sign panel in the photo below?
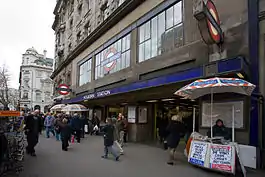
point(159, 81)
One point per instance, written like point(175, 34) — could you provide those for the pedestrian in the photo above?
point(49, 124)
point(175, 130)
point(76, 125)
point(116, 136)
point(108, 131)
point(125, 121)
point(95, 124)
point(121, 127)
point(32, 130)
point(57, 127)
point(66, 131)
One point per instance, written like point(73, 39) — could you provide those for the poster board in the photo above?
point(198, 153)
point(9, 113)
point(212, 156)
point(131, 114)
point(222, 158)
point(223, 111)
point(142, 114)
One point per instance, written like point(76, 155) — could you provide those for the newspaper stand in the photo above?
point(12, 143)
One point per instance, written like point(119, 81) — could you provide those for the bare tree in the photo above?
point(4, 87)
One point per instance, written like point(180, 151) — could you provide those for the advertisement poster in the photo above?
point(221, 158)
point(131, 114)
point(198, 153)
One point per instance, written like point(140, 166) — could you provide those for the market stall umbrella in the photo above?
point(203, 87)
point(58, 107)
point(74, 108)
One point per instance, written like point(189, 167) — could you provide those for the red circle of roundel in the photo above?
point(114, 51)
point(63, 86)
point(212, 9)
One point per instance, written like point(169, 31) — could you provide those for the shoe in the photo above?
point(65, 149)
point(117, 158)
point(33, 154)
point(122, 153)
point(170, 163)
point(104, 157)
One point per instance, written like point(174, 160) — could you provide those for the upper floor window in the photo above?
point(85, 72)
point(114, 58)
point(162, 33)
point(38, 96)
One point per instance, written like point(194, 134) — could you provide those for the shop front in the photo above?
point(141, 101)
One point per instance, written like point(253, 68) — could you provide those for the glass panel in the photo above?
point(89, 76)
point(128, 57)
point(169, 18)
point(123, 59)
point(118, 64)
point(178, 13)
point(141, 33)
point(128, 42)
point(123, 44)
point(118, 45)
point(141, 52)
point(161, 30)
point(178, 35)
point(147, 49)
point(154, 37)
point(147, 33)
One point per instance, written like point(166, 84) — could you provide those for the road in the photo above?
point(84, 160)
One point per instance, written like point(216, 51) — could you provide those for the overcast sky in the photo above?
point(24, 24)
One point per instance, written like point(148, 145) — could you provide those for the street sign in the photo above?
point(64, 89)
point(9, 113)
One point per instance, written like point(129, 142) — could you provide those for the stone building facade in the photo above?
point(127, 52)
point(35, 85)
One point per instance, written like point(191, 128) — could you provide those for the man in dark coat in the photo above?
point(220, 130)
point(76, 125)
point(109, 139)
point(33, 128)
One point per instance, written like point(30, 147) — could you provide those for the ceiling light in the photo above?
point(168, 99)
point(183, 98)
point(124, 103)
point(192, 100)
point(151, 101)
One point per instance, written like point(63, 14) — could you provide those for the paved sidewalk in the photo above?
point(84, 160)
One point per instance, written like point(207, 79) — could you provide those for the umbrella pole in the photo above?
point(211, 113)
point(193, 128)
point(233, 123)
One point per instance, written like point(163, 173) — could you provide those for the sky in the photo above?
point(24, 24)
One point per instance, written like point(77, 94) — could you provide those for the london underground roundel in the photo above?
point(213, 31)
point(63, 89)
point(110, 55)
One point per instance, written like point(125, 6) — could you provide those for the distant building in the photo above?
point(36, 87)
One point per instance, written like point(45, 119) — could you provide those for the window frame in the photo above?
point(89, 70)
point(141, 56)
point(122, 45)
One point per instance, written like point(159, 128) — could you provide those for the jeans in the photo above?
point(110, 149)
point(121, 138)
point(57, 136)
point(48, 131)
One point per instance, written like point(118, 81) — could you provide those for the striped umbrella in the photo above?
point(74, 108)
point(203, 87)
point(58, 107)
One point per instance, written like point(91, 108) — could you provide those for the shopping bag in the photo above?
point(95, 128)
point(86, 128)
point(73, 139)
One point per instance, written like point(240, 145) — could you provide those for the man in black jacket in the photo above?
point(33, 129)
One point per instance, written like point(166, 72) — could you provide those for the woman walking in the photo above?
point(175, 129)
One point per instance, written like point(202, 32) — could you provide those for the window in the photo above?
point(161, 34)
point(114, 58)
point(39, 73)
point(38, 96)
point(47, 96)
point(85, 72)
